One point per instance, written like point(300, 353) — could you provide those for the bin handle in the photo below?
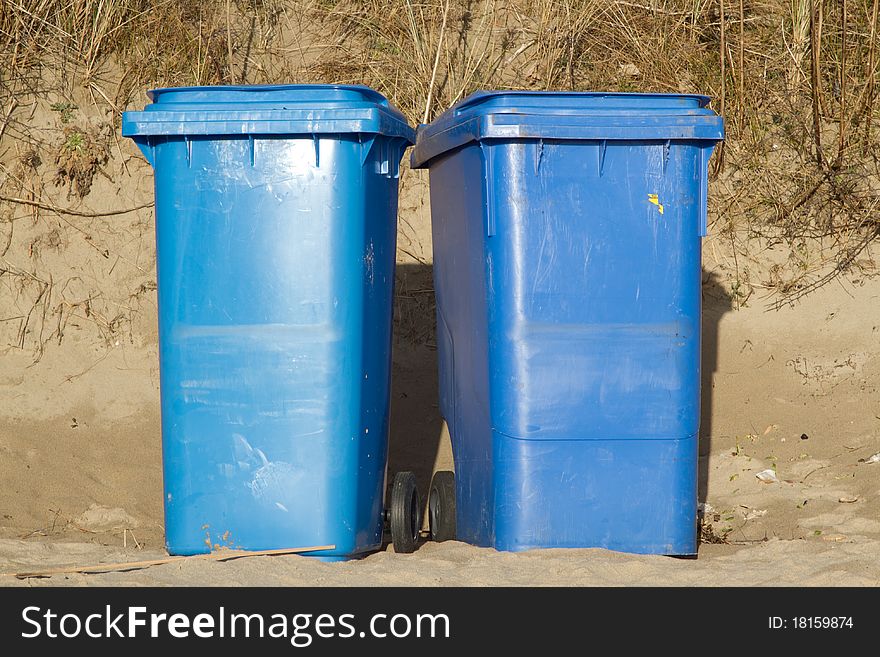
point(390, 150)
point(705, 154)
point(487, 188)
point(145, 144)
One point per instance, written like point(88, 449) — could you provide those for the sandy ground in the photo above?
point(794, 389)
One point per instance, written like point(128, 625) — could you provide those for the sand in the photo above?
point(793, 390)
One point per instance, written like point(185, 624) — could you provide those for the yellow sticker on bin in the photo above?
point(653, 198)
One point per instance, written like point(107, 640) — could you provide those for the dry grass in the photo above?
point(430, 53)
point(795, 80)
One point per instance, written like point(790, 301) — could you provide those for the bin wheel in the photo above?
point(405, 513)
point(441, 506)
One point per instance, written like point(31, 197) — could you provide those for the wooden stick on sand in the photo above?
point(220, 555)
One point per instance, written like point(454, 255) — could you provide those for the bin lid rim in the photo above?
point(558, 115)
point(330, 104)
point(368, 92)
point(482, 95)
point(493, 102)
point(168, 96)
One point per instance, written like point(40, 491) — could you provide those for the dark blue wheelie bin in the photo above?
point(566, 236)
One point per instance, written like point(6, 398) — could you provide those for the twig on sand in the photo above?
point(220, 555)
point(125, 533)
point(68, 211)
point(71, 377)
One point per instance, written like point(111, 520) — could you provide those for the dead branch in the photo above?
point(220, 555)
point(69, 211)
point(843, 262)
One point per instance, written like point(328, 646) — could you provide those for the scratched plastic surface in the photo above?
point(276, 228)
point(566, 233)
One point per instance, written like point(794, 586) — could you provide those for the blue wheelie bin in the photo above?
point(566, 232)
point(276, 216)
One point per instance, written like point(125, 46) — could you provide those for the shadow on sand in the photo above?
point(716, 302)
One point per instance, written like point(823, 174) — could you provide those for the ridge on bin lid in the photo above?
point(568, 115)
point(267, 109)
point(270, 92)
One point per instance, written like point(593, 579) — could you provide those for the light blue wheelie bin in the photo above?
point(276, 229)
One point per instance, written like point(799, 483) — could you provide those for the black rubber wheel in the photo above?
point(441, 506)
point(405, 513)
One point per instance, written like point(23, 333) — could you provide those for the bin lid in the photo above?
point(569, 116)
point(267, 109)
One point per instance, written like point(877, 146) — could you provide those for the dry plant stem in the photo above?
point(823, 104)
point(27, 320)
point(723, 53)
point(655, 10)
point(71, 377)
point(220, 555)
point(807, 195)
point(841, 133)
point(742, 67)
point(815, 89)
point(843, 263)
point(436, 63)
point(69, 212)
point(872, 74)
point(229, 39)
point(12, 105)
point(719, 157)
point(473, 62)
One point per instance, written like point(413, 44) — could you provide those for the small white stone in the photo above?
point(768, 476)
